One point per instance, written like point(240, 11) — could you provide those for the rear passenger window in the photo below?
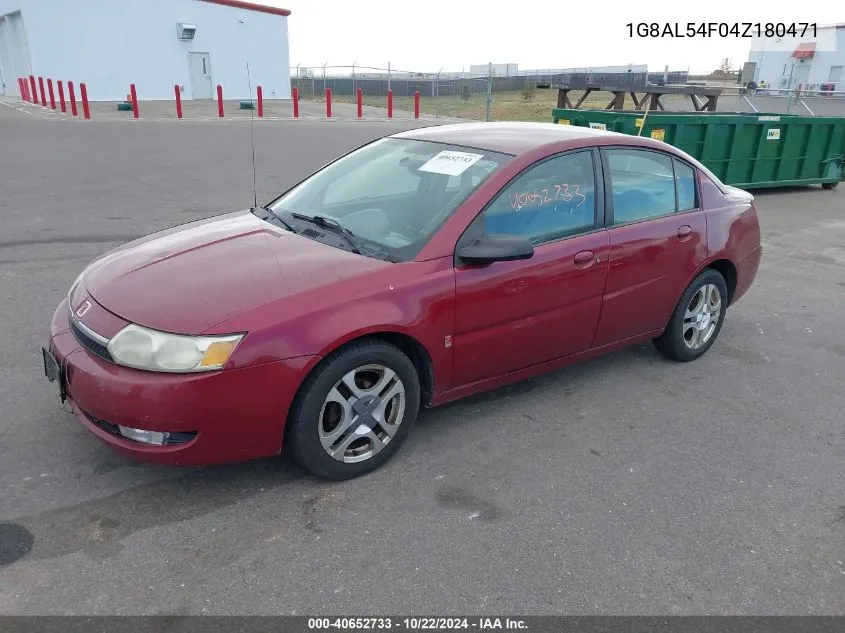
point(642, 183)
point(685, 181)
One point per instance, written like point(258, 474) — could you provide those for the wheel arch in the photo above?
point(724, 267)
point(727, 269)
point(409, 345)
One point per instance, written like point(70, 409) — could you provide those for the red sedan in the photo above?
point(420, 268)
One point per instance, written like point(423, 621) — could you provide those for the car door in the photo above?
point(515, 314)
point(657, 240)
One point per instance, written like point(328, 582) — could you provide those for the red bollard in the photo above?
point(389, 104)
point(62, 96)
point(72, 96)
point(220, 101)
point(33, 93)
point(134, 100)
point(360, 103)
point(178, 92)
point(417, 104)
point(41, 90)
point(295, 102)
point(328, 103)
point(260, 93)
point(21, 90)
point(83, 90)
point(52, 96)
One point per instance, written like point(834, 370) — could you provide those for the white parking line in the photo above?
point(14, 107)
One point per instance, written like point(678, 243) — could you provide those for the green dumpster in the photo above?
point(743, 149)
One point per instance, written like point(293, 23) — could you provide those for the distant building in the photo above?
point(499, 70)
point(155, 44)
point(808, 61)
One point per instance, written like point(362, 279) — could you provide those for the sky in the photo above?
point(426, 36)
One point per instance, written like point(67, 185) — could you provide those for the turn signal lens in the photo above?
point(218, 353)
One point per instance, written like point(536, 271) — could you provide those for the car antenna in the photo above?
point(252, 138)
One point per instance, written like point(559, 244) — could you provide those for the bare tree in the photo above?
point(529, 89)
point(726, 68)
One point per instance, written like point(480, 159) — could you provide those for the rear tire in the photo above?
point(354, 411)
point(829, 185)
point(697, 319)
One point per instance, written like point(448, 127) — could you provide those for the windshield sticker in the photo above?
point(451, 163)
point(563, 191)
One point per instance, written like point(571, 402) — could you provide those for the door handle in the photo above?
point(684, 232)
point(584, 258)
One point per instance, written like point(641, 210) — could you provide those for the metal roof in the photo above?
point(805, 50)
point(251, 6)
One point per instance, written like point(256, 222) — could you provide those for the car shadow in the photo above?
point(98, 526)
point(569, 378)
point(773, 191)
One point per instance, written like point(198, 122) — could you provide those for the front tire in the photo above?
point(697, 319)
point(354, 411)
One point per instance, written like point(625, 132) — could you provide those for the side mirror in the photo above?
point(497, 248)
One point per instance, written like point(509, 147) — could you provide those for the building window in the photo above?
point(835, 74)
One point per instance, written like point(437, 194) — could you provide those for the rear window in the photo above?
point(642, 183)
point(649, 184)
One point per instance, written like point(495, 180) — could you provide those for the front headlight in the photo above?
point(143, 348)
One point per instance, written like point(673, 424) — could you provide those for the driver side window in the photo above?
point(551, 200)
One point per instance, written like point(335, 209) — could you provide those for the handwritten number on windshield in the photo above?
point(563, 191)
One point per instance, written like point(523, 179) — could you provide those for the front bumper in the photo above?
point(236, 414)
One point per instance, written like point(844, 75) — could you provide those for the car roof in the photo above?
point(510, 137)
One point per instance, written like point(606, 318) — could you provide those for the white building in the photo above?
point(808, 61)
point(155, 44)
point(497, 70)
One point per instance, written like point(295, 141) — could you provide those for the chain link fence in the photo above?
point(522, 96)
point(441, 94)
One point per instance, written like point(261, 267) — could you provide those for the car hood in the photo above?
point(189, 278)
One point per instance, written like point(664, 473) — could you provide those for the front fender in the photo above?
point(417, 302)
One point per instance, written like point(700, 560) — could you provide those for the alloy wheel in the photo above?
point(702, 316)
point(361, 413)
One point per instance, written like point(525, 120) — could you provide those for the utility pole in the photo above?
point(489, 104)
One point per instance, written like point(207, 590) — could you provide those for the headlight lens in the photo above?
point(143, 348)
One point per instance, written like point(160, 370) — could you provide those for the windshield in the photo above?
point(392, 194)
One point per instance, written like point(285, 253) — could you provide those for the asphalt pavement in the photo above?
point(625, 485)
